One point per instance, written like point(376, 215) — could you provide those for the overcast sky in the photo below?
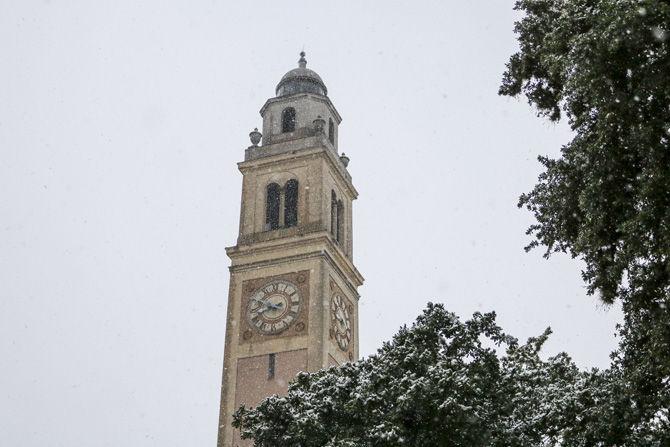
point(121, 124)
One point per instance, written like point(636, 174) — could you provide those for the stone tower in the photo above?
point(293, 300)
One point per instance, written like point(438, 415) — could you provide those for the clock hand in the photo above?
point(258, 300)
point(275, 306)
point(261, 309)
point(265, 306)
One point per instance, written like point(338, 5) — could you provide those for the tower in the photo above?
point(293, 300)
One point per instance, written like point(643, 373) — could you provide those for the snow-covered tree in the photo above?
point(442, 382)
point(605, 65)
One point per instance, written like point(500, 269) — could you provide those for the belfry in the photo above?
point(293, 299)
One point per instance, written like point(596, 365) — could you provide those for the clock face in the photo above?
point(340, 321)
point(274, 307)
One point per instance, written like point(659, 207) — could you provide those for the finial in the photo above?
point(302, 63)
point(255, 136)
point(344, 159)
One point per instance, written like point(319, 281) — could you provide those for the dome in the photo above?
point(301, 80)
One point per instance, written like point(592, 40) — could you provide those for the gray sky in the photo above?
point(121, 123)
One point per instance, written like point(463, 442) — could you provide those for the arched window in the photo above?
point(340, 222)
point(331, 130)
point(333, 213)
point(273, 198)
point(288, 120)
point(291, 204)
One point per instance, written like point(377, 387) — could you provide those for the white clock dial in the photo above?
point(274, 307)
point(340, 321)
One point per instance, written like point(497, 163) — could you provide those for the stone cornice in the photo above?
point(308, 246)
point(318, 148)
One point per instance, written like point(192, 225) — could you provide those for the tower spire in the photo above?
point(302, 63)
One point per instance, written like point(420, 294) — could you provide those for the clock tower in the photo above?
point(293, 300)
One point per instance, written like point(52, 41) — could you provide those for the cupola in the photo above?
point(301, 80)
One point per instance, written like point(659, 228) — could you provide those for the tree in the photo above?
point(439, 383)
point(605, 65)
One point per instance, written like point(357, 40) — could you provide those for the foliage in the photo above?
point(439, 383)
point(605, 65)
